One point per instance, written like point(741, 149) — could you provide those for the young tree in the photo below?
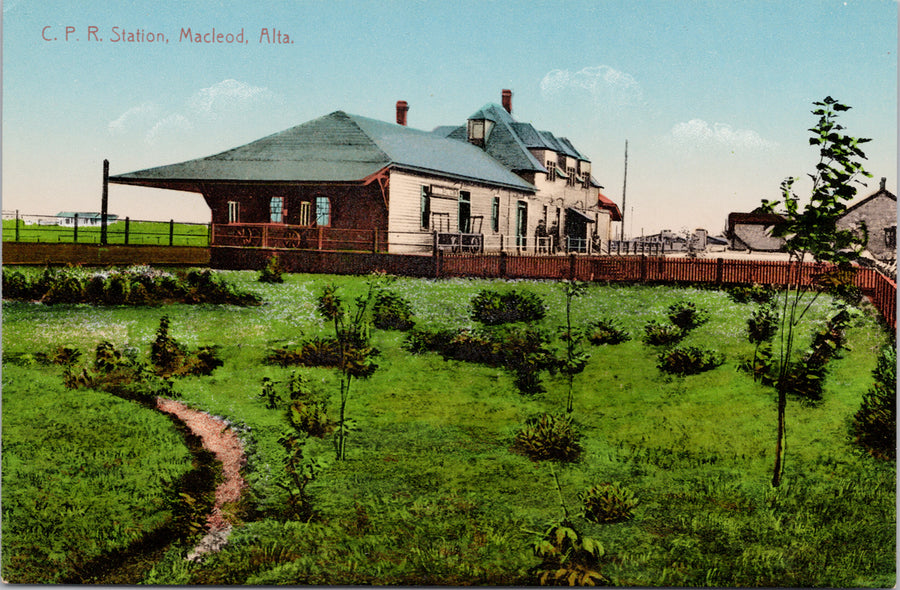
point(811, 232)
point(575, 360)
point(356, 352)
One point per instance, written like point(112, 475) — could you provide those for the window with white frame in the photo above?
point(323, 211)
point(276, 210)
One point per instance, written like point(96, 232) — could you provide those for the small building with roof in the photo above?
point(83, 218)
point(878, 213)
point(753, 231)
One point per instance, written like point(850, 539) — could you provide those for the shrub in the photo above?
point(61, 355)
point(763, 324)
point(875, 424)
point(659, 334)
point(94, 289)
point(686, 315)
point(309, 417)
point(757, 293)
point(492, 308)
point(608, 503)
point(606, 331)
point(272, 271)
point(392, 312)
point(117, 289)
point(551, 437)
point(807, 376)
point(16, 285)
point(66, 288)
point(170, 358)
point(688, 360)
point(568, 558)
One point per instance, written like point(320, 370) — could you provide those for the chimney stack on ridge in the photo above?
point(507, 100)
point(402, 109)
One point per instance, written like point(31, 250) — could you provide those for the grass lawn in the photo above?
point(431, 492)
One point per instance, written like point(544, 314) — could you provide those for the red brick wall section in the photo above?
point(96, 255)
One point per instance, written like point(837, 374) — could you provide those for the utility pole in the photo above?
point(624, 185)
point(104, 202)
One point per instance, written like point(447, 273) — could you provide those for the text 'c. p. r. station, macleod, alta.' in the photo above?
point(188, 35)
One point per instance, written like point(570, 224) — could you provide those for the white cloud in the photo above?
point(173, 123)
point(135, 116)
point(602, 82)
point(229, 96)
point(698, 133)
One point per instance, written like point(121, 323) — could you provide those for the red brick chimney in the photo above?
point(507, 100)
point(402, 109)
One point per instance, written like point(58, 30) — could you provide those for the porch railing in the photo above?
point(277, 235)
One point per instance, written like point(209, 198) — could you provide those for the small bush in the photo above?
point(688, 360)
point(67, 288)
point(686, 315)
point(606, 332)
point(492, 308)
point(568, 558)
point(392, 312)
point(310, 417)
point(16, 285)
point(116, 290)
point(763, 324)
point(171, 359)
point(756, 293)
point(608, 503)
point(550, 437)
point(875, 424)
point(659, 334)
point(272, 271)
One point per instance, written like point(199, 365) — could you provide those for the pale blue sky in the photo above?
point(713, 97)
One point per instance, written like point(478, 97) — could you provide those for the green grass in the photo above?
point(431, 492)
point(139, 233)
point(84, 473)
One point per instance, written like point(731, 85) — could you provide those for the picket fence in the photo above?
point(881, 290)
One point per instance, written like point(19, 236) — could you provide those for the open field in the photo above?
point(431, 492)
point(154, 233)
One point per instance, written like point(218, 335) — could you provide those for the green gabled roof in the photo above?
point(338, 147)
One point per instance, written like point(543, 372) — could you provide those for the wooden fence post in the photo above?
point(17, 225)
point(127, 228)
point(572, 266)
point(375, 241)
point(438, 261)
point(171, 232)
point(502, 262)
point(75, 236)
point(720, 270)
point(104, 203)
point(644, 268)
point(319, 238)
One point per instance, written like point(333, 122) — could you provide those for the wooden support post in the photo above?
point(75, 237)
point(503, 261)
point(374, 241)
point(720, 270)
point(17, 225)
point(171, 232)
point(319, 238)
point(127, 228)
point(104, 203)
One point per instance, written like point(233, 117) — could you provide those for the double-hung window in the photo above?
point(323, 211)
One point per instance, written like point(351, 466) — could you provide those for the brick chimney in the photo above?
point(507, 100)
point(883, 181)
point(402, 109)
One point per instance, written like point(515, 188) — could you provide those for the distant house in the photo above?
point(753, 231)
point(878, 212)
point(343, 181)
point(84, 219)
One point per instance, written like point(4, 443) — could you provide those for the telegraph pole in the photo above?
point(104, 202)
point(624, 185)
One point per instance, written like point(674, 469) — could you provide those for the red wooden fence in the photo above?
point(881, 290)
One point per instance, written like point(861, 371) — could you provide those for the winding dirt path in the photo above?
point(226, 446)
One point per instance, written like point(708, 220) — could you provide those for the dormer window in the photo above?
point(479, 129)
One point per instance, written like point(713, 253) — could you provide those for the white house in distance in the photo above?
point(85, 219)
point(346, 182)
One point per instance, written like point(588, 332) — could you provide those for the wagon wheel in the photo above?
point(293, 239)
point(245, 236)
point(475, 244)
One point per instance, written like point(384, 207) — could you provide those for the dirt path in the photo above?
point(226, 446)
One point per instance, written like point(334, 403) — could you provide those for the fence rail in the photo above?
point(881, 290)
point(77, 229)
